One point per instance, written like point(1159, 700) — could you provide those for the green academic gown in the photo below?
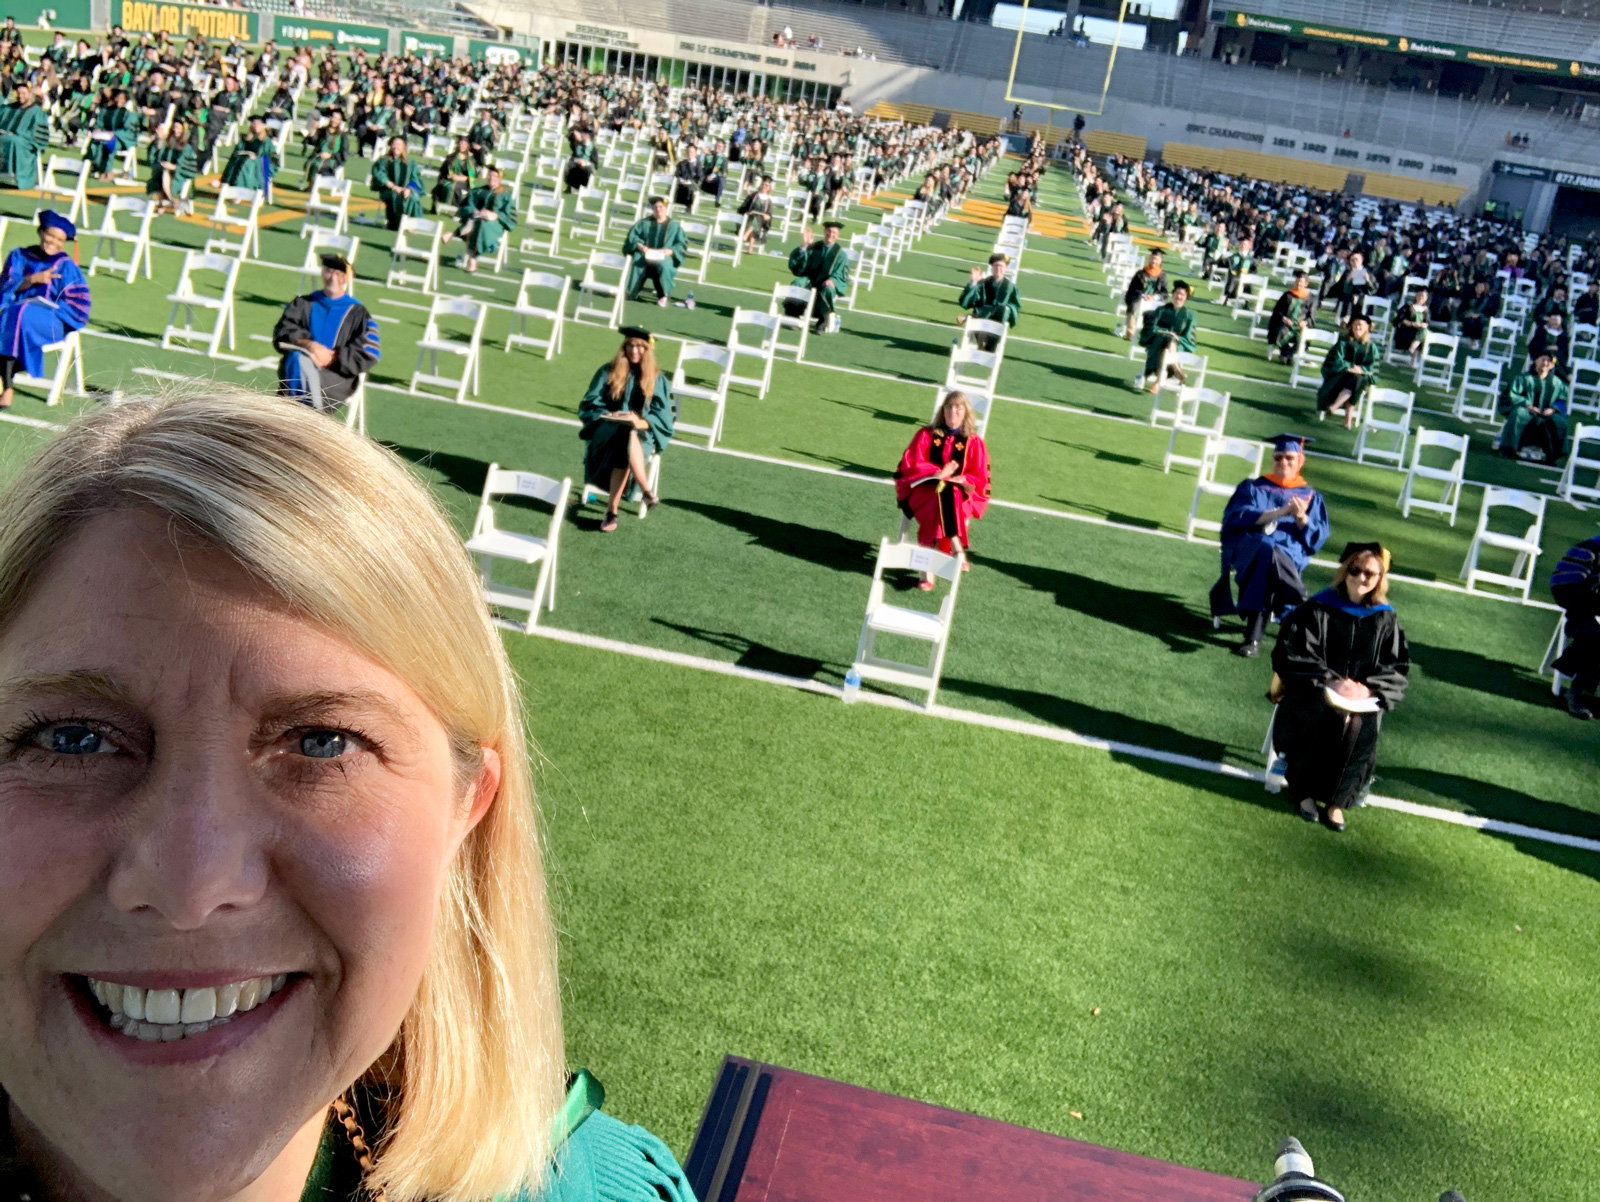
point(608, 441)
point(650, 234)
point(1345, 354)
point(184, 163)
point(1169, 319)
point(825, 270)
point(124, 124)
point(408, 203)
point(1530, 395)
point(992, 300)
point(244, 164)
point(24, 135)
point(485, 235)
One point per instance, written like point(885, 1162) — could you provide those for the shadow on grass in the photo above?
point(826, 548)
point(1487, 800)
point(1470, 670)
point(882, 415)
point(1160, 615)
point(844, 465)
point(758, 656)
point(459, 471)
point(1102, 454)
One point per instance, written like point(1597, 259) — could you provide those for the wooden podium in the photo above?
point(772, 1135)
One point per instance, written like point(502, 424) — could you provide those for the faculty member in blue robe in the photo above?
point(1271, 528)
point(43, 297)
point(328, 341)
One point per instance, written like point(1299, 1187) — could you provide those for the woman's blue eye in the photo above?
point(323, 744)
point(76, 740)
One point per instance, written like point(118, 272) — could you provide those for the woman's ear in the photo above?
point(485, 786)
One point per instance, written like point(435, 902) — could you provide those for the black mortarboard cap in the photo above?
point(833, 225)
point(336, 262)
point(639, 332)
point(1290, 442)
point(999, 257)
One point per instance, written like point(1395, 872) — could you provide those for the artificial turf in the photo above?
point(933, 909)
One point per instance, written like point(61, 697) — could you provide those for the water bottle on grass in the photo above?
point(852, 686)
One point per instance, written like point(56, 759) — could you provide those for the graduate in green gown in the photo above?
point(824, 267)
point(657, 247)
point(489, 213)
point(249, 166)
point(1294, 311)
point(627, 417)
point(1537, 426)
point(173, 163)
point(1349, 370)
point(24, 135)
point(398, 183)
point(991, 297)
point(1167, 331)
point(112, 130)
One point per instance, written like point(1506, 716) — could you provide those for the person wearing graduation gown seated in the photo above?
point(824, 267)
point(990, 297)
point(1537, 426)
point(1166, 332)
point(1293, 312)
point(1339, 664)
point(328, 341)
point(1476, 310)
point(1240, 264)
point(942, 482)
point(24, 136)
point(657, 247)
point(1272, 526)
point(1411, 329)
point(1147, 287)
point(250, 164)
point(398, 183)
point(1575, 585)
point(43, 296)
point(113, 130)
point(756, 209)
point(488, 215)
point(173, 163)
point(1348, 370)
point(458, 176)
point(626, 417)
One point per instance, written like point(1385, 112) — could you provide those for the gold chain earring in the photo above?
point(346, 1114)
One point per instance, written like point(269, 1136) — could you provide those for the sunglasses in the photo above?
point(1364, 573)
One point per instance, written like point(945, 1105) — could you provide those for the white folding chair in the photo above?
point(1478, 398)
point(326, 242)
point(543, 222)
point(69, 359)
point(901, 622)
point(971, 368)
point(355, 407)
point(1450, 475)
point(329, 196)
point(716, 392)
point(781, 294)
point(437, 340)
point(602, 289)
point(67, 179)
point(1437, 366)
point(588, 218)
point(1552, 652)
point(695, 234)
point(1500, 340)
point(724, 242)
point(1202, 412)
point(1247, 301)
point(1585, 341)
point(753, 335)
point(416, 242)
point(1379, 312)
point(1235, 451)
point(553, 290)
point(237, 208)
point(1308, 358)
point(980, 403)
point(1523, 543)
point(189, 298)
point(975, 328)
point(1385, 426)
point(489, 542)
point(1584, 457)
point(1583, 395)
point(110, 235)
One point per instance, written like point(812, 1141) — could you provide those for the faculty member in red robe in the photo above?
point(943, 478)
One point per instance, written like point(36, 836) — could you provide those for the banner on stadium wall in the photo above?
point(1350, 153)
point(414, 41)
point(63, 14)
point(1401, 44)
point(185, 20)
point(341, 35)
point(501, 52)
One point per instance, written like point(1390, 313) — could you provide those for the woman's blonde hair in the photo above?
point(617, 381)
point(340, 530)
point(969, 424)
point(1380, 591)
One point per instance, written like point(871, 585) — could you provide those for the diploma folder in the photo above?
point(1350, 705)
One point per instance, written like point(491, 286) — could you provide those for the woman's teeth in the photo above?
point(165, 1015)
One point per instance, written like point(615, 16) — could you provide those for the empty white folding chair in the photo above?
point(1437, 366)
point(1580, 479)
point(238, 209)
point(66, 180)
point(1379, 311)
point(925, 626)
point(694, 250)
point(329, 197)
point(1248, 299)
point(1583, 395)
point(489, 542)
point(1500, 340)
point(1525, 510)
point(588, 217)
point(326, 242)
point(754, 335)
point(1242, 458)
point(1585, 341)
point(1478, 398)
point(542, 221)
point(206, 284)
point(414, 257)
point(715, 392)
point(542, 296)
point(1313, 349)
point(724, 242)
point(1445, 466)
point(1385, 426)
point(782, 296)
point(1202, 412)
point(971, 368)
point(602, 289)
point(448, 341)
point(140, 212)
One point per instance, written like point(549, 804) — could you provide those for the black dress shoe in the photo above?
point(1576, 706)
point(1329, 821)
point(1248, 649)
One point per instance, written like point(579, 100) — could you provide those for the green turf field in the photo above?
point(935, 908)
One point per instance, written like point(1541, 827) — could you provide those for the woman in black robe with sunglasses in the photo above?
point(1340, 663)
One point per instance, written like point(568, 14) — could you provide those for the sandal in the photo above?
point(651, 499)
point(610, 523)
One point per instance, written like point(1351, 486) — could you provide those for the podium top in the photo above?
point(770, 1134)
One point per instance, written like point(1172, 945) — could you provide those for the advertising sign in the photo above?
point(341, 35)
point(500, 52)
point(414, 41)
point(185, 20)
